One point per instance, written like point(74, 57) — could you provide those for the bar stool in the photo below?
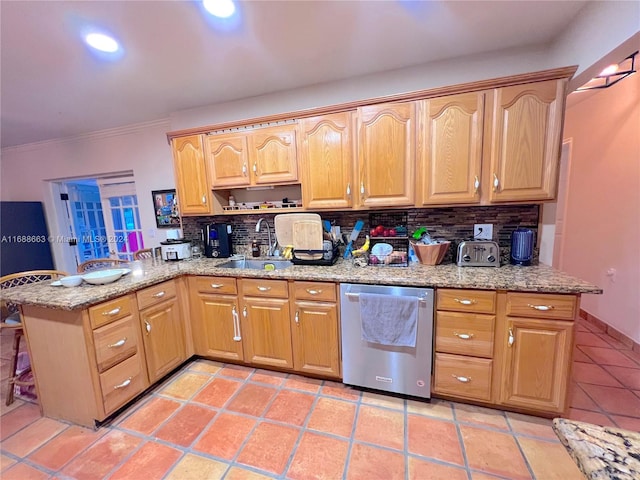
point(12, 321)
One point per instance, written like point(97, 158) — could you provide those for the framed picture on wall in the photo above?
point(166, 207)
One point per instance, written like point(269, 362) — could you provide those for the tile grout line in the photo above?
point(524, 456)
point(460, 440)
point(352, 437)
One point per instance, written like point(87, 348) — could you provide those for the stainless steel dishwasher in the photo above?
point(405, 370)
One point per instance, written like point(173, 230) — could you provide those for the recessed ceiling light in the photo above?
point(102, 42)
point(219, 8)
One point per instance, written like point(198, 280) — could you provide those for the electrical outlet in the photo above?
point(483, 231)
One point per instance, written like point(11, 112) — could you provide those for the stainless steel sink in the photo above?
point(257, 264)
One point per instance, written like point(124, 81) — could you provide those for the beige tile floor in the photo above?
point(211, 420)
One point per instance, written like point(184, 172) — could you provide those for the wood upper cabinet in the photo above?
point(386, 155)
point(162, 332)
point(215, 319)
point(265, 321)
point(272, 155)
point(315, 328)
point(536, 364)
point(525, 143)
point(228, 158)
point(449, 164)
point(326, 160)
point(192, 183)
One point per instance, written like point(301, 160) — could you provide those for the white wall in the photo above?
point(26, 170)
point(602, 224)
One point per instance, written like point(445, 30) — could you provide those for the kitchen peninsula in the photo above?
point(95, 348)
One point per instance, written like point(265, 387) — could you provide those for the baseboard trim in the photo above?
point(609, 330)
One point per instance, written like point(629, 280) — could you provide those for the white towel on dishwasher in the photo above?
point(388, 319)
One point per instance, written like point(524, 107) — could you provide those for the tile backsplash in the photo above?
point(450, 223)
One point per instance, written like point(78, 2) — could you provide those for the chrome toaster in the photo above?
point(478, 253)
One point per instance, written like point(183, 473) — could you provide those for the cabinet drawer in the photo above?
point(320, 291)
point(110, 311)
point(476, 301)
point(221, 285)
point(465, 333)
point(156, 294)
point(541, 305)
point(263, 288)
point(463, 376)
point(115, 342)
point(122, 382)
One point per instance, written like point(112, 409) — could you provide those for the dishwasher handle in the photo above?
point(357, 295)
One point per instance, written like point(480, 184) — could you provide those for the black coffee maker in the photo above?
point(217, 240)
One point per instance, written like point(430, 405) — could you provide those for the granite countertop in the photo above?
point(538, 278)
point(602, 453)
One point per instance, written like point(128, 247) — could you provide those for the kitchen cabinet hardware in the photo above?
point(264, 289)
point(159, 294)
point(466, 301)
point(357, 295)
point(461, 379)
point(119, 343)
point(476, 185)
point(124, 384)
point(113, 312)
point(348, 188)
point(244, 169)
point(147, 327)
point(255, 168)
point(362, 188)
point(542, 308)
point(312, 291)
point(204, 199)
point(463, 336)
point(217, 285)
point(297, 318)
point(511, 338)
point(244, 312)
point(496, 183)
point(236, 325)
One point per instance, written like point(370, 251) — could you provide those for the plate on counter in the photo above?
point(124, 270)
point(102, 277)
point(56, 283)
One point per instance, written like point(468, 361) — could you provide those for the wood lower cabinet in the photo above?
point(315, 328)
point(526, 140)
point(162, 331)
point(451, 134)
point(537, 351)
point(386, 155)
point(215, 318)
point(265, 322)
point(327, 161)
point(192, 182)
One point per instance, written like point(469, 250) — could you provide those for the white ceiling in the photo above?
point(53, 87)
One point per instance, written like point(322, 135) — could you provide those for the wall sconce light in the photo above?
point(612, 74)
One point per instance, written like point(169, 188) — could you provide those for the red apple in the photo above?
point(387, 232)
point(373, 232)
point(392, 232)
point(379, 230)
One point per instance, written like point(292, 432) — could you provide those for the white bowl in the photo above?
point(71, 281)
point(100, 277)
point(381, 250)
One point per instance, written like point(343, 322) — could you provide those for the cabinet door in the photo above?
point(266, 331)
point(536, 364)
point(452, 128)
point(314, 332)
point(192, 183)
point(216, 326)
point(163, 338)
point(228, 161)
point(273, 155)
point(525, 145)
point(326, 154)
point(386, 139)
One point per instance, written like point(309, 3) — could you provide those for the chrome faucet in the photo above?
point(272, 247)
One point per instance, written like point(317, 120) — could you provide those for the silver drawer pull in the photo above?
point(461, 379)
point(311, 291)
point(264, 289)
point(111, 313)
point(297, 318)
point(463, 336)
point(217, 285)
point(159, 295)
point(542, 308)
point(147, 327)
point(119, 343)
point(466, 301)
point(124, 384)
